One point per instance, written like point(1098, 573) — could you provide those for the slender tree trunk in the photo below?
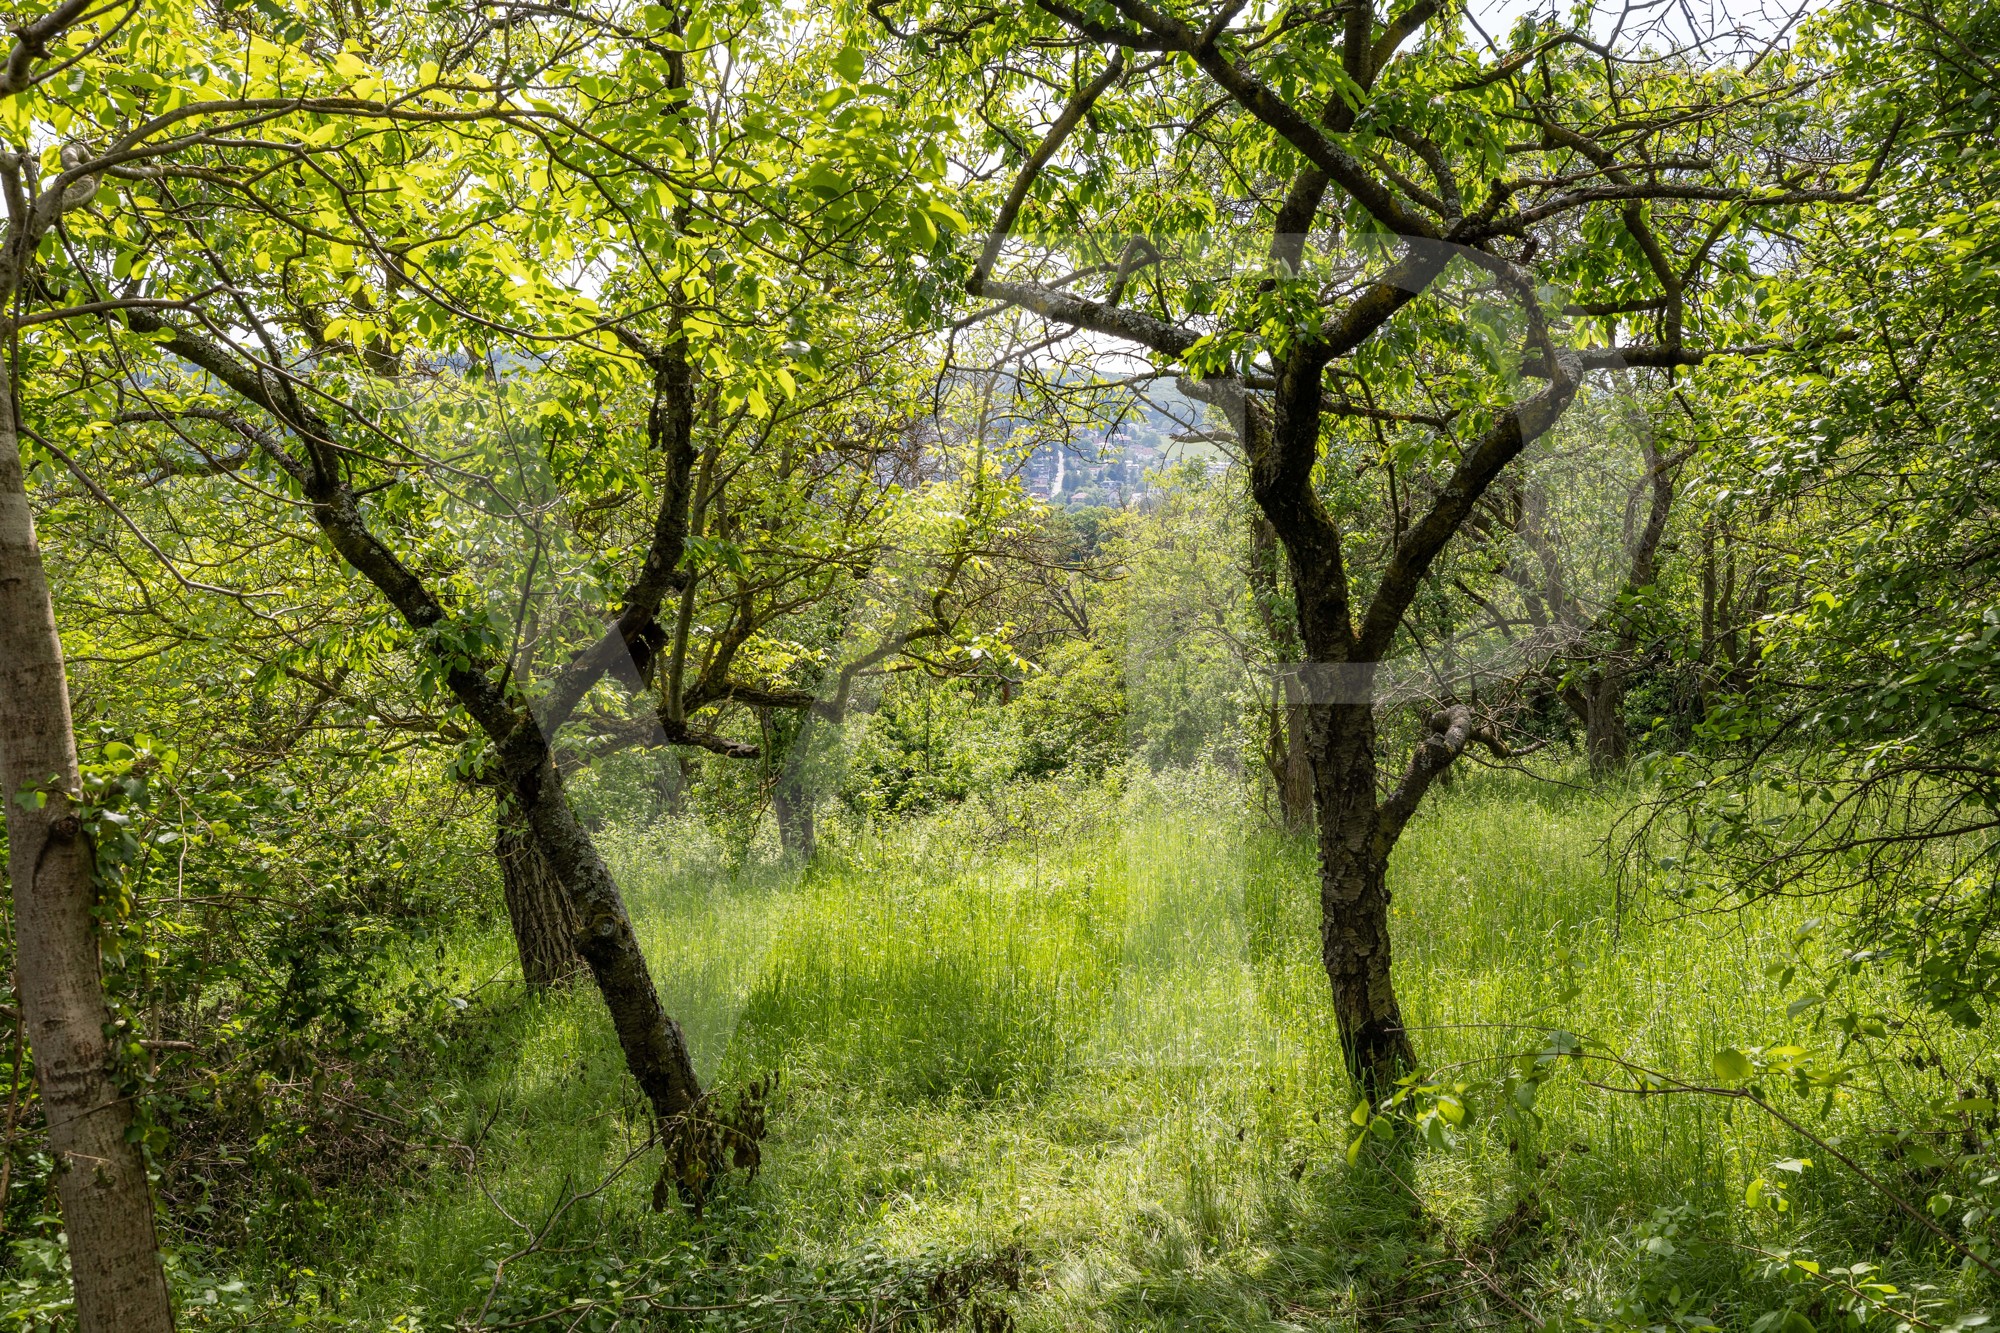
point(1288, 754)
point(794, 740)
point(792, 801)
point(544, 921)
point(680, 778)
point(107, 1203)
point(1354, 899)
point(655, 1048)
point(1295, 787)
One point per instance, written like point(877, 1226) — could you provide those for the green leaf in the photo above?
point(1732, 1065)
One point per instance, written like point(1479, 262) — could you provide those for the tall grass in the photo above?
point(1093, 1026)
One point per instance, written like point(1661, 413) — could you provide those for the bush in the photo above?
point(1072, 714)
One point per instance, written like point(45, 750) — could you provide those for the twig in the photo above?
point(1820, 1277)
point(1746, 1095)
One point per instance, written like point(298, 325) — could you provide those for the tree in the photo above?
point(309, 299)
point(1575, 539)
point(106, 1200)
point(1433, 221)
point(1853, 480)
point(541, 915)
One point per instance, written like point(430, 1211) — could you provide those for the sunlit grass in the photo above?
point(1107, 1042)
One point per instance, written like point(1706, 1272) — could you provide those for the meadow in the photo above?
point(1061, 1058)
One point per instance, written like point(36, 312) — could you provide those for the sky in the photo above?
point(1681, 22)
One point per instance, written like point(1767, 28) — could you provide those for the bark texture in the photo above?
point(107, 1203)
point(1598, 701)
point(655, 1048)
point(1354, 900)
point(1357, 828)
point(544, 922)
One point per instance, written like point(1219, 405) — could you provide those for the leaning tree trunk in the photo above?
point(655, 1048)
point(653, 1044)
point(107, 1204)
point(544, 921)
point(1354, 899)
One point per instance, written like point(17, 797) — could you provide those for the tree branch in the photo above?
point(31, 43)
point(1157, 334)
point(1452, 729)
point(1072, 114)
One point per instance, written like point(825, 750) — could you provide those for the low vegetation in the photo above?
point(1082, 1073)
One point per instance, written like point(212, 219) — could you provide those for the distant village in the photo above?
point(1120, 467)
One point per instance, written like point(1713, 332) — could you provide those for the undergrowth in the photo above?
point(1062, 1058)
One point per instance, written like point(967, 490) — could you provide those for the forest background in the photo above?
point(1045, 666)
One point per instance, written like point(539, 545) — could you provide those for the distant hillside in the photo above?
point(1111, 468)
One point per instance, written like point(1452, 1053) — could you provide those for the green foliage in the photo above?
point(1184, 620)
point(1852, 752)
point(1049, 1011)
point(1071, 713)
point(927, 743)
point(265, 1007)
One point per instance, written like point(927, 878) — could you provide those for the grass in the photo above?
point(1081, 1044)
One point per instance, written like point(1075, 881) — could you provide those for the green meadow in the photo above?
point(1062, 1058)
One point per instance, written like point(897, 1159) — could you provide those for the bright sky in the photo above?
point(1748, 23)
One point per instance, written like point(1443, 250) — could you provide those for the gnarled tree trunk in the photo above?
point(544, 922)
point(1599, 704)
point(107, 1204)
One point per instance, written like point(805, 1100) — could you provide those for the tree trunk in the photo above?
point(1287, 754)
point(107, 1203)
point(792, 802)
point(540, 912)
point(1290, 757)
point(1599, 704)
point(655, 1048)
point(1354, 900)
point(1604, 727)
point(681, 776)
